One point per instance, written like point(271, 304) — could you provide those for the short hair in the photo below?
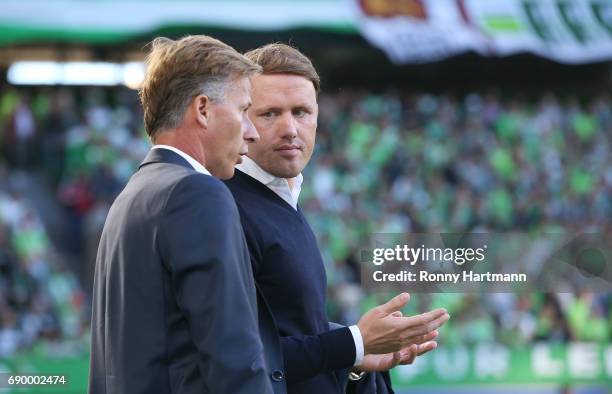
point(177, 71)
point(280, 58)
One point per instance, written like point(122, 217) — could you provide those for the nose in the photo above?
point(288, 127)
point(250, 132)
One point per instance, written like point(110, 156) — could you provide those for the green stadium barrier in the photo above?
point(483, 364)
point(75, 369)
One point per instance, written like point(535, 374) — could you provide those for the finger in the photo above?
point(395, 304)
point(410, 355)
point(385, 362)
point(423, 319)
point(417, 351)
point(397, 314)
point(397, 358)
point(429, 337)
point(419, 339)
point(425, 329)
point(388, 361)
point(422, 340)
point(426, 347)
point(420, 335)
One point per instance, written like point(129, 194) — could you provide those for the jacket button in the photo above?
point(277, 375)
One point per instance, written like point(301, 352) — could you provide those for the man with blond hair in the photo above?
point(286, 261)
point(174, 302)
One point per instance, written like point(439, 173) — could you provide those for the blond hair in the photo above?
point(280, 58)
point(177, 71)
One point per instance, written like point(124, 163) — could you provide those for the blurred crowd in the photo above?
point(422, 163)
point(82, 146)
point(40, 299)
point(384, 163)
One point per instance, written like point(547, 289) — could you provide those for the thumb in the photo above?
point(396, 303)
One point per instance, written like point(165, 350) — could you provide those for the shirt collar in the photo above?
point(194, 163)
point(249, 167)
point(278, 185)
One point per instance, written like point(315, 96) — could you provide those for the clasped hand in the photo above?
point(391, 339)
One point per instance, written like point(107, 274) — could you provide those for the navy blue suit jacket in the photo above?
point(289, 272)
point(174, 301)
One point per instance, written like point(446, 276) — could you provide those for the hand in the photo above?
point(384, 330)
point(406, 356)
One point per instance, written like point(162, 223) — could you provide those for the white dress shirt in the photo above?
point(281, 187)
point(194, 163)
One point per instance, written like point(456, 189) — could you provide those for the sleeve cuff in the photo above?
point(359, 351)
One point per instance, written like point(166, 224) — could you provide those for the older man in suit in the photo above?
point(174, 304)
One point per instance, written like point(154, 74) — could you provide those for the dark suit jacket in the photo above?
point(314, 362)
point(174, 303)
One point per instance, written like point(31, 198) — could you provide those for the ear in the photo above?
point(202, 107)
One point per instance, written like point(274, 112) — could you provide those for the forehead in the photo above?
point(277, 89)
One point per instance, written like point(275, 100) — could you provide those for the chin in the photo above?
point(280, 169)
point(226, 173)
point(293, 170)
point(287, 173)
point(229, 173)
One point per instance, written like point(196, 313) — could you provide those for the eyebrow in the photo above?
point(269, 109)
point(279, 109)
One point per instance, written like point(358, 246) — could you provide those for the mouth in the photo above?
point(289, 150)
point(288, 147)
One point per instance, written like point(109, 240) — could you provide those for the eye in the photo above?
point(300, 112)
point(268, 115)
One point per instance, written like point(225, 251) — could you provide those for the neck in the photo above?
point(291, 182)
point(184, 142)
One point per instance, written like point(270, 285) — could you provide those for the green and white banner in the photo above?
point(409, 31)
point(100, 21)
point(414, 31)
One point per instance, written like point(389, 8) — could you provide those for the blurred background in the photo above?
point(435, 116)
